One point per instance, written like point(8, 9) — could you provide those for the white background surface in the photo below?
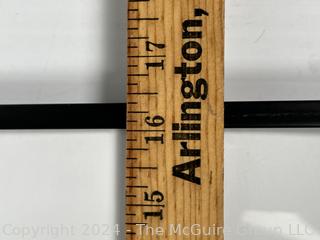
point(74, 51)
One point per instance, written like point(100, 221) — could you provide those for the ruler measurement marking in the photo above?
point(143, 19)
point(144, 130)
point(138, 75)
point(142, 93)
point(147, 56)
point(131, 177)
point(138, 37)
point(133, 223)
point(138, 149)
point(144, 168)
point(136, 186)
point(130, 214)
point(137, 112)
point(132, 195)
point(144, 205)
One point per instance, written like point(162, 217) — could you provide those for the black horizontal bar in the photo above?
point(63, 116)
point(105, 116)
point(273, 114)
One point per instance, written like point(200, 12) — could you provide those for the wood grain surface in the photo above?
point(174, 164)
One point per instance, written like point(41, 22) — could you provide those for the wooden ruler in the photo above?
point(174, 170)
